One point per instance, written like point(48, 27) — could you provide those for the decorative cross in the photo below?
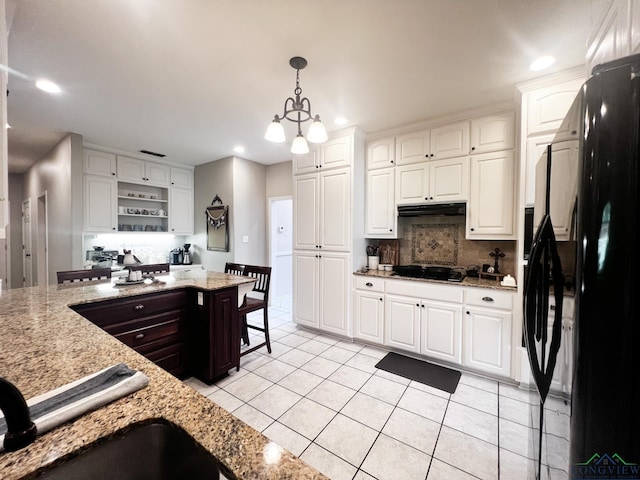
point(497, 254)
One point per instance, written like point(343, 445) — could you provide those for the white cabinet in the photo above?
point(369, 309)
point(487, 330)
point(441, 327)
point(536, 147)
point(413, 147)
point(402, 323)
point(440, 142)
point(381, 153)
point(561, 380)
point(336, 153)
point(99, 163)
point(100, 204)
point(450, 140)
point(322, 210)
point(181, 177)
point(321, 290)
point(490, 210)
point(381, 220)
point(433, 181)
point(307, 163)
point(613, 37)
point(181, 211)
point(547, 106)
point(140, 171)
point(493, 132)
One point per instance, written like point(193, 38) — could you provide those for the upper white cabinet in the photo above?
point(433, 181)
point(440, 142)
point(536, 147)
point(99, 163)
point(181, 211)
point(381, 153)
point(490, 210)
point(306, 211)
point(380, 216)
point(307, 163)
point(450, 140)
point(140, 171)
point(334, 153)
point(613, 35)
point(493, 132)
point(100, 205)
point(181, 177)
point(547, 106)
point(414, 147)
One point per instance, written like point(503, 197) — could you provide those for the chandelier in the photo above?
point(297, 110)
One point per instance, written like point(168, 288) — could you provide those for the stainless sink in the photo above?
point(158, 451)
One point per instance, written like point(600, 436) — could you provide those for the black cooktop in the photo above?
point(450, 274)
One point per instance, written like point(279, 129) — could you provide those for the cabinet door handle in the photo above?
point(472, 229)
point(487, 299)
point(139, 336)
point(369, 284)
point(417, 304)
point(422, 306)
point(391, 229)
point(473, 148)
point(139, 307)
point(380, 299)
point(391, 161)
point(468, 312)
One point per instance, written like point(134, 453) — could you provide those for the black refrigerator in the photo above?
point(585, 253)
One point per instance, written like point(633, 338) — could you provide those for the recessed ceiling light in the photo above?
point(341, 121)
point(47, 86)
point(542, 63)
point(238, 149)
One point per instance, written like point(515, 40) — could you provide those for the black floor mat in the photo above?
point(424, 372)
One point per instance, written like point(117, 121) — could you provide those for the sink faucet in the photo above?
point(21, 431)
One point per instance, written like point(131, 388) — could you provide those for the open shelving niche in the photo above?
point(143, 198)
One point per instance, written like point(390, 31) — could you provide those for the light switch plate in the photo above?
point(245, 239)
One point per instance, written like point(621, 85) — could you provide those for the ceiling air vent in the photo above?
point(155, 154)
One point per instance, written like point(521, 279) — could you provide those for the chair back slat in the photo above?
point(73, 276)
point(151, 268)
point(234, 268)
point(262, 276)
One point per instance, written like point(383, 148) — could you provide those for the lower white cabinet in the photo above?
point(368, 306)
point(321, 290)
point(487, 331)
point(402, 323)
point(100, 204)
point(441, 326)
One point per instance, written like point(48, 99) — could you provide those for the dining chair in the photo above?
point(151, 268)
point(77, 276)
point(234, 268)
point(257, 299)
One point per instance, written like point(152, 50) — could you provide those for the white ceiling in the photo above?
point(193, 78)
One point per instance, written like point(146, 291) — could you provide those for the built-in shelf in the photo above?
point(126, 197)
point(141, 215)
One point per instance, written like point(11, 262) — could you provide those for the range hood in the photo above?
point(432, 209)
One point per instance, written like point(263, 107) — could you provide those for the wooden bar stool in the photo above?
point(77, 276)
point(253, 303)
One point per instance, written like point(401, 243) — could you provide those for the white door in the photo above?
point(381, 153)
point(441, 330)
point(334, 292)
point(487, 337)
point(157, 174)
point(413, 147)
point(307, 163)
point(450, 141)
point(27, 267)
point(130, 169)
point(336, 153)
point(493, 133)
point(381, 216)
point(402, 323)
point(281, 247)
point(305, 288)
point(100, 204)
point(369, 315)
point(412, 183)
point(335, 210)
point(181, 177)
point(305, 206)
point(449, 180)
point(181, 211)
point(99, 163)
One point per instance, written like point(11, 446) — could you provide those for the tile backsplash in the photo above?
point(440, 240)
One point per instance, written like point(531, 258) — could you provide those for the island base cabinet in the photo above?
point(214, 334)
point(487, 340)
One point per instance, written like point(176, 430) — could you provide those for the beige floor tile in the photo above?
point(275, 400)
point(390, 459)
point(331, 394)
point(307, 417)
point(329, 464)
point(347, 439)
point(412, 429)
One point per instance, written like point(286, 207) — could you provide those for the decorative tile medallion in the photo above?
point(434, 244)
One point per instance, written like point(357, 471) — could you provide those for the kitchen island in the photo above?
point(45, 344)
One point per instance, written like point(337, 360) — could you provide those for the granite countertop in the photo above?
point(466, 282)
point(44, 345)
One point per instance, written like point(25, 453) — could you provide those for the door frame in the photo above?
point(271, 237)
point(42, 239)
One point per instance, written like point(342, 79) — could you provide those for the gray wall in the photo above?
point(280, 180)
point(59, 174)
point(250, 212)
point(16, 196)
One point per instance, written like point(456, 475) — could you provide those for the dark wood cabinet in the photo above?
point(186, 332)
point(154, 325)
point(214, 333)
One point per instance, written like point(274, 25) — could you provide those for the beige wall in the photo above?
point(59, 174)
point(16, 196)
point(250, 212)
point(280, 180)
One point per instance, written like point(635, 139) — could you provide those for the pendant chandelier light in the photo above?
point(297, 110)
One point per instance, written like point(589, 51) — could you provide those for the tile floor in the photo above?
point(321, 398)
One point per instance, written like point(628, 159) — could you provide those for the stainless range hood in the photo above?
point(432, 209)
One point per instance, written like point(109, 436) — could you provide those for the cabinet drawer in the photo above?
point(111, 312)
point(425, 290)
point(369, 283)
point(140, 332)
point(489, 298)
point(172, 358)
